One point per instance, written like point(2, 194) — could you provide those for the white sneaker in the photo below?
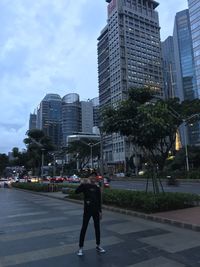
point(100, 249)
point(80, 252)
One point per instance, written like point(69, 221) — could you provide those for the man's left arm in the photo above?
point(99, 202)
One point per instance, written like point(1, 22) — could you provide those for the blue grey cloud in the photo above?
point(50, 46)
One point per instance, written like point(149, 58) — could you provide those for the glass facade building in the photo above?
point(71, 116)
point(186, 79)
point(49, 118)
point(169, 68)
point(194, 11)
point(32, 121)
point(86, 116)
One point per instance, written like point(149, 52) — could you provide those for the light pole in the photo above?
point(186, 147)
point(185, 121)
point(91, 145)
point(42, 164)
point(91, 152)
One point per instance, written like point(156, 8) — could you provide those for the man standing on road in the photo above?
point(92, 208)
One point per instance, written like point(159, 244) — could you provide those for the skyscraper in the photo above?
point(194, 11)
point(32, 121)
point(169, 68)
point(185, 68)
point(49, 118)
point(86, 116)
point(71, 116)
point(186, 82)
point(95, 111)
point(129, 55)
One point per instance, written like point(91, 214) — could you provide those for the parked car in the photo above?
point(57, 179)
point(74, 179)
point(5, 182)
point(106, 184)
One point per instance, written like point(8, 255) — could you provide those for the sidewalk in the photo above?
point(185, 218)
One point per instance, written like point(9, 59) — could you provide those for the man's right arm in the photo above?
point(79, 189)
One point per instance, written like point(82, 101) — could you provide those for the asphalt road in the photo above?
point(185, 187)
point(37, 231)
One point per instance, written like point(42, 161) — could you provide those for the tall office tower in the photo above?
point(49, 118)
point(104, 69)
point(32, 121)
point(71, 116)
point(186, 80)
point(194, 11)
point(129, 55)
point(95, 109)
point(86, 116)
point(169, 68)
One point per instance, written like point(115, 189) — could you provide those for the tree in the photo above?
point(37, 143)
point(177, 163)
point(80, 150)
point(149, 122)
point(3, 163)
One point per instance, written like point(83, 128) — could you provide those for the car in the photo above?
point(106, 184)
point(74, 179)
point(56, 179)
point(5, 182)
point(99, 177)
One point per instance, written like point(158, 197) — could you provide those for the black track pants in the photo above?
point(86, 217)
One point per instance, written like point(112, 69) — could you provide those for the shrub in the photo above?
point(146, 202)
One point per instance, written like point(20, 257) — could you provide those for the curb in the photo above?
point(141, 215)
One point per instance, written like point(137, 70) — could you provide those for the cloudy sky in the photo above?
point(49, 46)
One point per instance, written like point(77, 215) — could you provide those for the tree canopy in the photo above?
point(37, 143)
point(81, 150)
point(149, 122)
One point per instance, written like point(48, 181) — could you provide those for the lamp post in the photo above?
point(186, 146)
point(42, 163)
point(91, 145)
point(185, 121)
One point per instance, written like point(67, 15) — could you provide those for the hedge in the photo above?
point(133, 200)
point(40, 187)
point(146, 202)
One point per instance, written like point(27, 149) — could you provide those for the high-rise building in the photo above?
point(129, 55)
point(95, 111)
point(169, 68)
point(49, 118)
point(86, 116)
point(194, 11)
point(186, 82)
point(104, 69)
point(32, 121)
point(186, 79)
point(71, 116)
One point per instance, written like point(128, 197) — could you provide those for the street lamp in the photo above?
point(176, 115)
point(91, 145)
point(186, 146)
point(42, 165)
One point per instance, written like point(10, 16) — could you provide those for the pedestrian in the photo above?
point(92, 208)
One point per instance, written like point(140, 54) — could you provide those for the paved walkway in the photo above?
point(185, 218)
point(41, 231)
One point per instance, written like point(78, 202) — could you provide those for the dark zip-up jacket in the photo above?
point(92, 197)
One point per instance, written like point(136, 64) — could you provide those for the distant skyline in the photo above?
point(49, 46)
